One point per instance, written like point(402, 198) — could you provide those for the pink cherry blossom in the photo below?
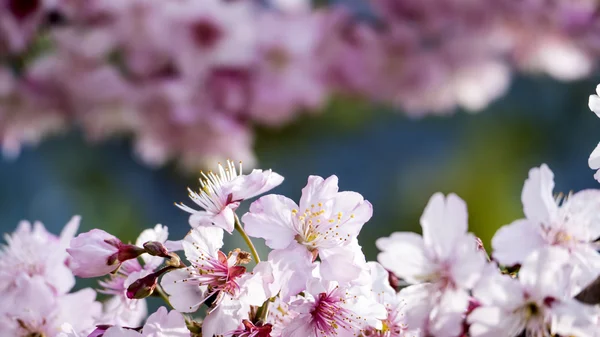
point(35, 310)
point(211, 271)
point(35, 252)
point(221, 194)
point(571, 224)
point(96, 253)
point(326, 222)
point(396, 323)
point(329, 309)
point(537, 302)
point(445, 260)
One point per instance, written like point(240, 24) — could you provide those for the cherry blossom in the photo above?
point(32, 251)
point(326, 222)
point(444, 262)
point(329, 309)
point(35, 310)
point(570, 223)
point(536, 302)
point(220, 194)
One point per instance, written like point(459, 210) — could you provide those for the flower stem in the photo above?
point(161, 293)
point(238, 227)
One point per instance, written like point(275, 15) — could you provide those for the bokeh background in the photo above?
point(395, 161)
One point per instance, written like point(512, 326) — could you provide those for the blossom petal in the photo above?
point(543, 273)
point(257, 182)
point(468, 262)
point(404, 255)
point(318, 189)
point(225, 219)
point(165, 324)
point(444, 222)
point(270, 218)
point(498, 290)
point(354, 210)
point(225, 318)
point(291, 269)
point(202, 240)
point(538, 202)
point(494, 322)
point(185, 296)
point(594, 159)
point(341, 264)
point(117, 331)
point(594, 102)
point(201, 218)
point(513, 243)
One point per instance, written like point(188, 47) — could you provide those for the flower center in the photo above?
point(328, 315)
point(212, 196)
point(220, 274)
point(314, 228)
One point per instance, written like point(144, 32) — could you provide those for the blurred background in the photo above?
point(398, 98)
point(395, 161)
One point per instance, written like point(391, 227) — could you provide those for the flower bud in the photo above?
point(156, 248)
point(97, 253)
point(143, 287)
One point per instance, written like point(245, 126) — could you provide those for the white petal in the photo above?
point(299, 327)
point(404, 255)
point(513, 243)
point(467, 263)
point(116, 331)
point(380, 282)
point(418, 304)
point(270, 218)
point(444, 222)
point(584, 207)
point(226, 317)
point(257, 182)
point(594, 159)
point(318, 189)
point(594, 103)
point(201, 241)
point(498, 290)
point(341, 264)
point(447, 316)
point(494, 322)
point(291, 269)
point(184, 296)
point(201, 218)
point(69, 231)
point(165, 324)
point(538, 202)
point(355, 211)
point(571, 318)
point(225, 219)
point(543, 273)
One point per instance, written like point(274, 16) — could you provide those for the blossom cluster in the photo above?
point(539, 279)
point(188, 79)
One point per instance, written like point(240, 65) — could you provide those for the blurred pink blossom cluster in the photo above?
point(189, 79)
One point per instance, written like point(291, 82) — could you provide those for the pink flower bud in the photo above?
point(143, 287)
point(97, 253)
point(156, 248)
